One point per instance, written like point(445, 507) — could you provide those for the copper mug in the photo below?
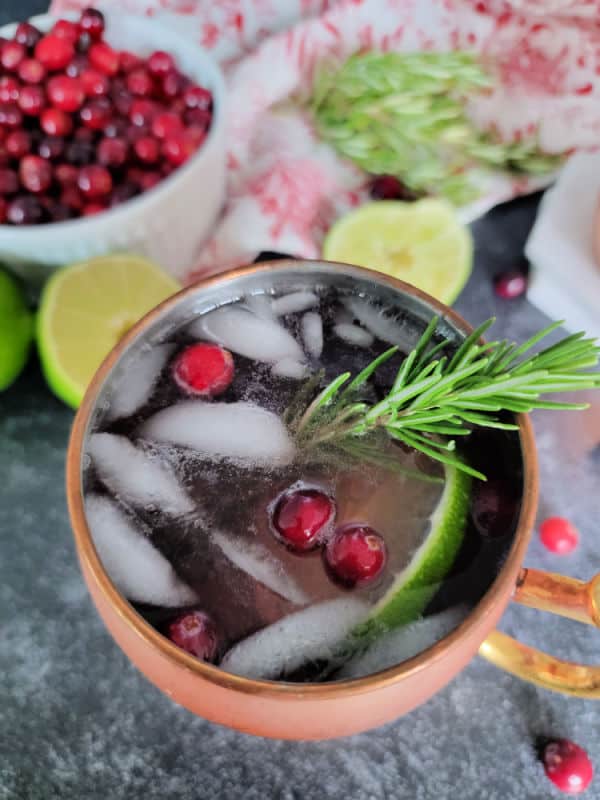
point(321, 711)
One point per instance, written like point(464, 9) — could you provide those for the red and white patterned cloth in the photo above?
point(286, 187)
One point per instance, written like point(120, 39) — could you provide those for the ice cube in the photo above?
point(403, 643)
point(232, 430)
point(289, 368)
point(137, 568)
point(136, 477)
point(312, 333)
point(243, 332)
point(353, 334)
point(254, 559)
point(133, 388)
point(380, 324)
point(308, 635)
point(294, 302)
point(260, 304)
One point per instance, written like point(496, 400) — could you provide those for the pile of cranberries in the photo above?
point(84, 127)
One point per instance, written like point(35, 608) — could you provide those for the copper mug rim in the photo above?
point(213, 674)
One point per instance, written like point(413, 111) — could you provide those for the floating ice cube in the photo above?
point(380, 324)
point(352, 334)
point(232, 430)
point(403, 643)
point(260, 304)
point(137, 568)
point(312, 333)
point(136, 477)
point(244, 333)
point(294, 302)
point(133, 388)
point(308, 635)
point(254, 559)
point(289, 368)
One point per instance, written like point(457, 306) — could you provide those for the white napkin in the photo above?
point(565, 281)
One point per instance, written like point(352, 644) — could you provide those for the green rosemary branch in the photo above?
point(436, 398)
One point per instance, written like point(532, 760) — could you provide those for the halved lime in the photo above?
point(422, 243)
point(16, 330)
point(85, 309)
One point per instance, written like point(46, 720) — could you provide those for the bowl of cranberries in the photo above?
point(111, 139)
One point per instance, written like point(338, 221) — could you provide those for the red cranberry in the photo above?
point(300, 517)
point(177, 149)
point(51, 147)
point(35, 174)
point(160, 63)
point(65, 29)
point(195, 632)
point(31, 71)
point(84, 43)
point(388, 187)
point(558, 535)
point(198, 97)
point(95, 114)
point(92, 22)
point(129, 61)
point(148, 180)
point(122, 101)
point(135, 132)
point(84, 135)
point(112, 152)
point(3, 209)
point(27, 35)
point(510, 285)
point(90, 209)
point(123, 192)
point(172, 85)
point(66, 93)
point(80, 153)
point(55, 122)
point(94, 83)
point(11, 55)
point(56, 211)
point(139, 82)
point(54, 52)
point(18, 143)
point(203, 369)
point(568, 766)
point(71, 197)
point(9, 182)
point(25, 210)
point(66, 174)
point(147, 150)
point(166, 124)
point(104, 58)
point(10, 116)
point(198, 117)
point(94, 181)
point(77, 66)
point(142, 112)
point(355, 555)
point(9, 89)
point(32, 100)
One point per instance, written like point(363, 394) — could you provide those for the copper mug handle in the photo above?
point(557, 594)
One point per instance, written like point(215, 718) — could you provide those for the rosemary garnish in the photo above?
point(436, 398)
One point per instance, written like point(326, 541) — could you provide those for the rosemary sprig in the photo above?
point(436, 398)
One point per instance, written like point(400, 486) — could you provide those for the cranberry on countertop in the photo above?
point(568, 766)
point(510, 285)
point(558, 535)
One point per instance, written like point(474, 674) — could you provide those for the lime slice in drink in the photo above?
point(422, 243)
point(414, 587)
point(84, 311)
point(16, 330)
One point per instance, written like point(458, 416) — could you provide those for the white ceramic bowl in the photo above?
point(168, 223)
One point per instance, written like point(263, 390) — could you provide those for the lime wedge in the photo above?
point(85, 309)
point(414, 587)
point(422, 243)
point(16, 330)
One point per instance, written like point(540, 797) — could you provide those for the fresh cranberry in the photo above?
point(198, 117)
point(9, 89)
point(198, 97)
point(72, 198)
point(55, 122)
point(142, 112)
point(27, 35)
point(66, 93)
point(568, 766)
point(3, 209)
point(35, 174)
point(32, 100)
point(18, 143)
point(54, 52)
point(559, 535)
point(195, 632)
point(112, 152)
point(203, 369)
point(55, 210)
point(123, 192)
point(31, 71)
point(9, 182)
point(92, 22)
point(51, 147)
point(129, 61)
point(84, 135)
point(90, 209)
point(65, 29)
point(116, 127)
point(77, 66)
point(135, 175)
point(135, 132)
point(94, 83)
point(66, 174)
point(148, 180)
point(388, 187)
point(177, 149)
point(510, 285)
point(84, 43)
point(160, 63)
point(96, 113)
point(25, 210)
point(80, 153)
point(166, 124)
point(139, 82)
point(104, 58)
point(172, 85)
point(196, 135)
point(10, 116)
point(122, 101)
point(300, 518)
point(147, 150)
point(11, 55)
point(94, 181)
point(355, 555)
